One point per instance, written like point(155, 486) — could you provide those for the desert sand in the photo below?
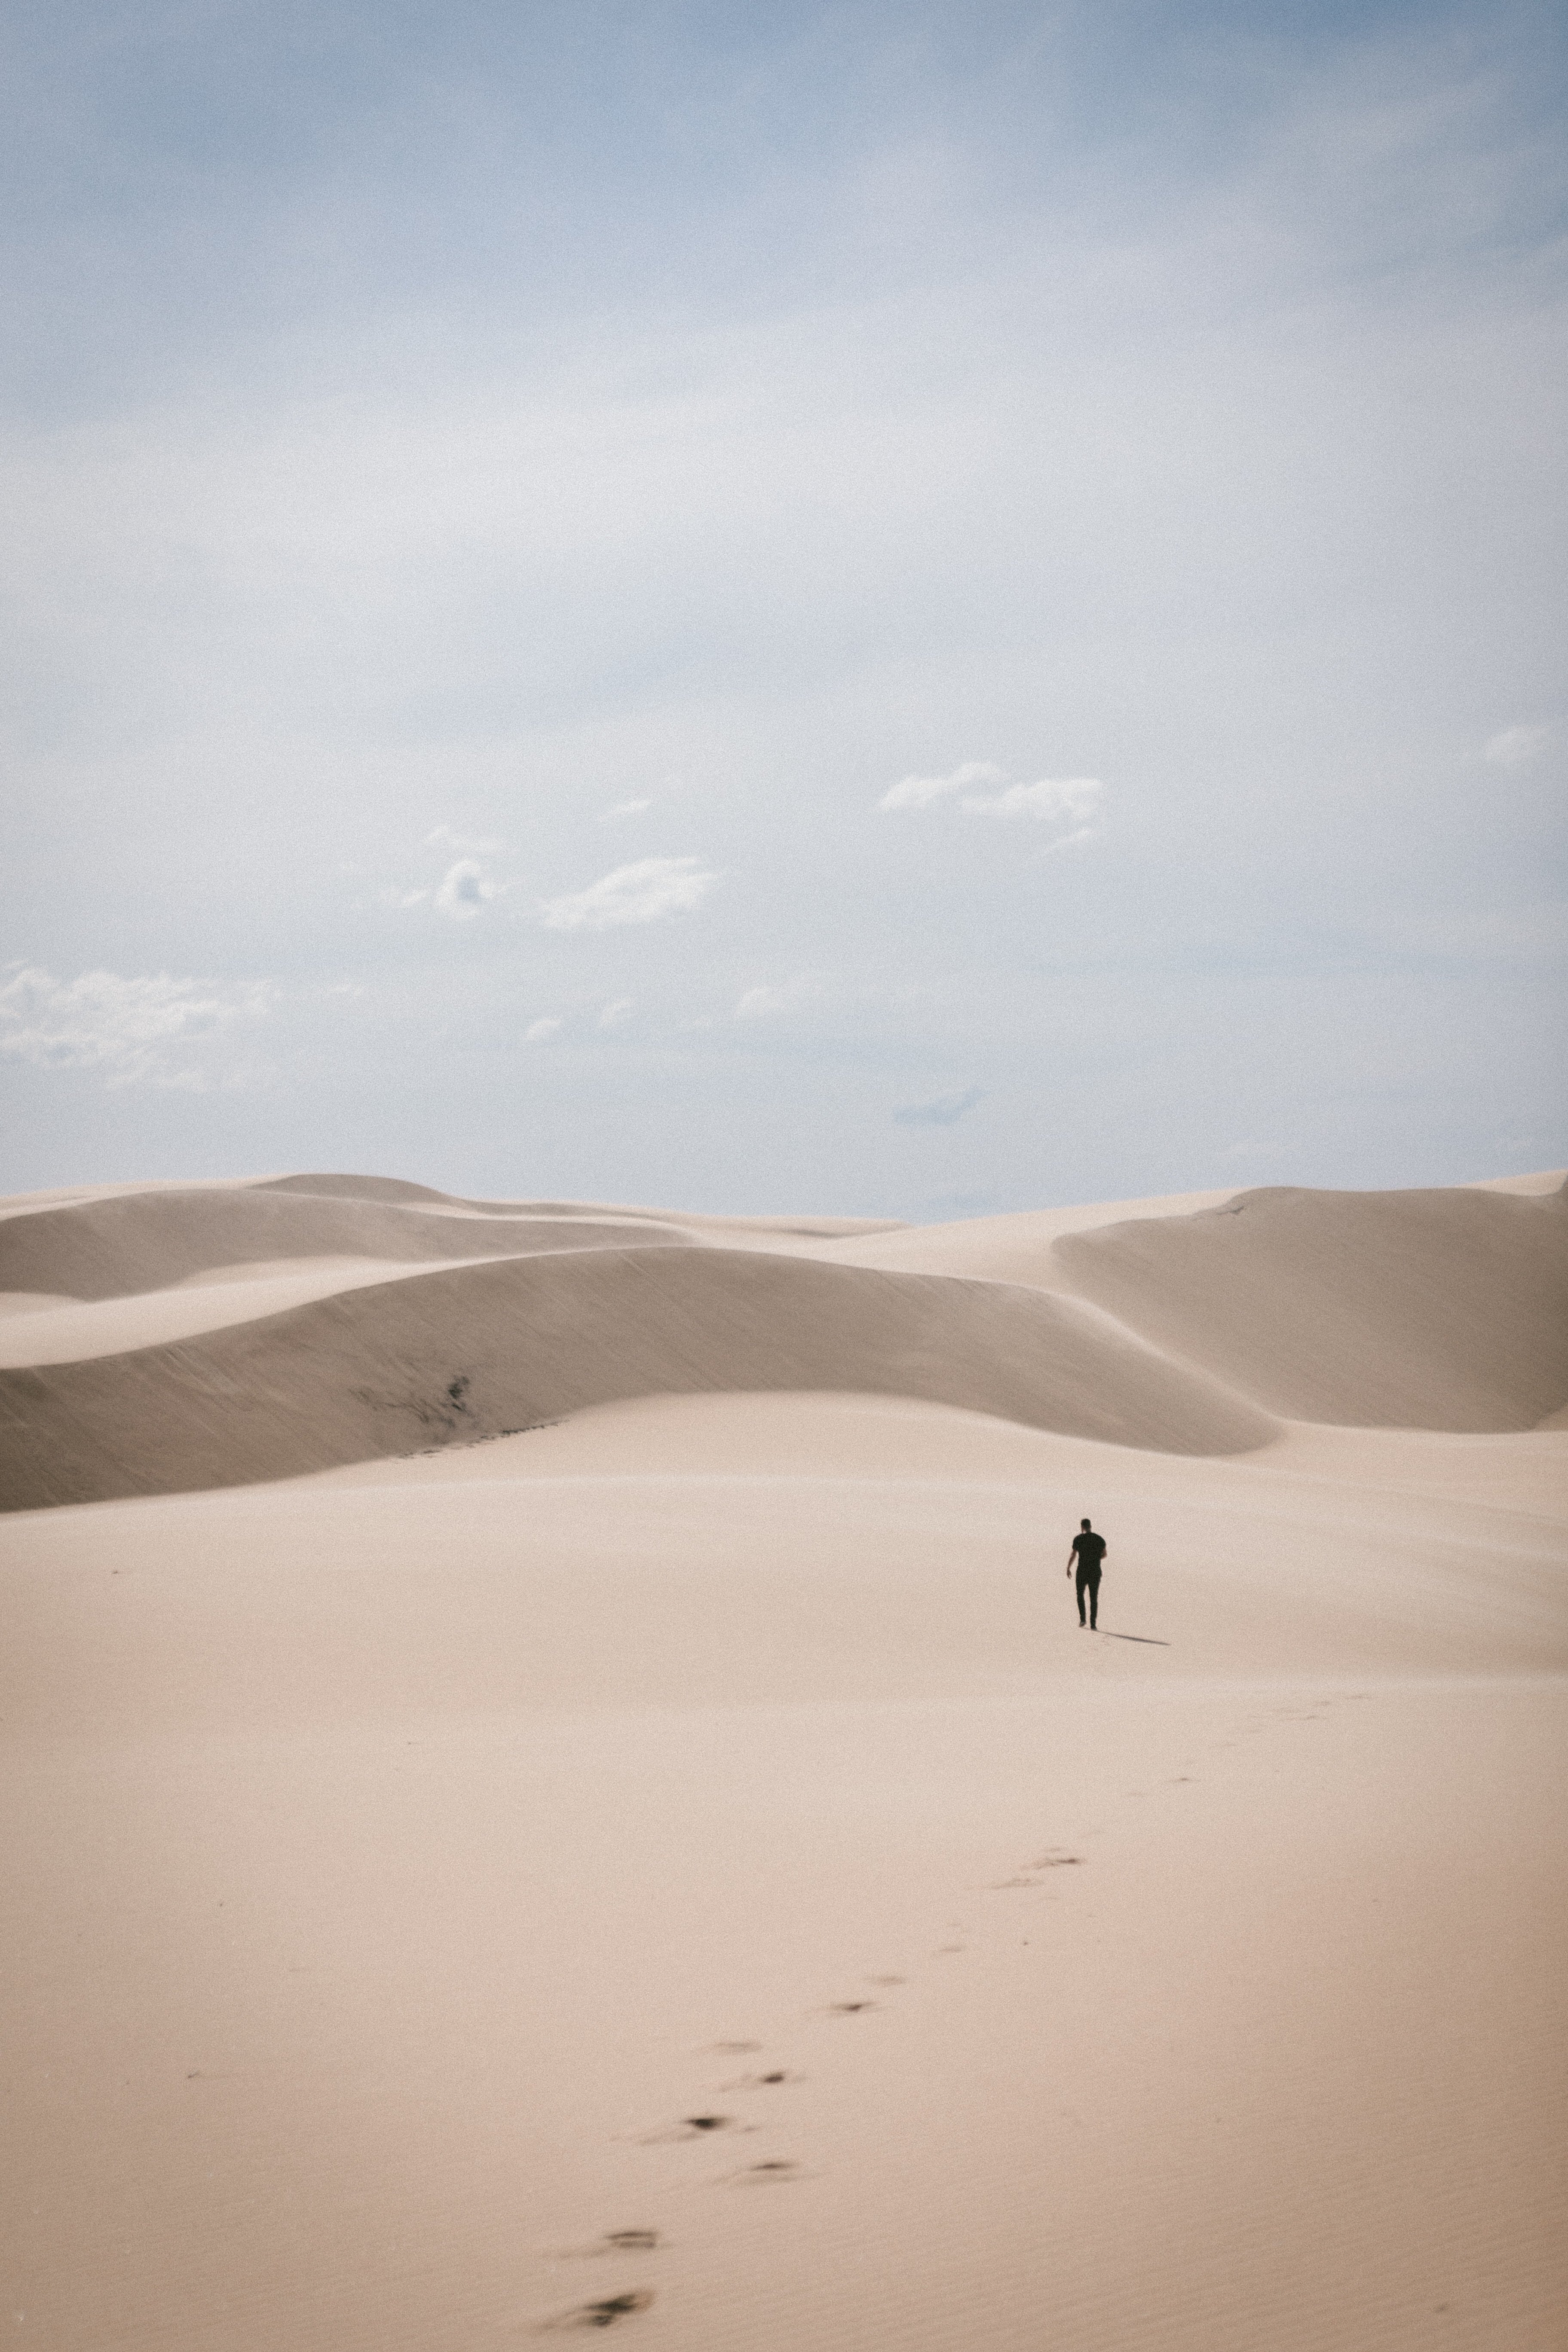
point(554, 1781)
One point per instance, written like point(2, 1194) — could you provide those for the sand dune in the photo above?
point(1433, 1309)
point(106, 1249)
point(471, 1352)
point(680, 1867)
point(169, 1338)
point(57, 1330)
point(1020, 1248)
point(397, 1860)
point(387, 1188)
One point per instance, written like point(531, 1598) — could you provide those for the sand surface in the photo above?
point(680, 1869)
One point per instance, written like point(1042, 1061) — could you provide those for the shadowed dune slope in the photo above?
point(1421, 1309)
point(113, 1248)
point(443, 1357)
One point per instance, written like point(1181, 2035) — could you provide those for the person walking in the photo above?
point(1087, 1554)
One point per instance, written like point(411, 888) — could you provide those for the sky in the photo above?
point(889, 610)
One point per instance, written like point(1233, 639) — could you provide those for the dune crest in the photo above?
point(476, 1350)
point(115, 1248)
point(1419, 1309)
point(163, 1353)
point(393, 1187)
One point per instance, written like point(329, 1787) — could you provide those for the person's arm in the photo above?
point(1071, 1557)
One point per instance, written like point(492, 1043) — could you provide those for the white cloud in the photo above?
point(1074, 798)
point(614, 1014)
point(625, 808)
point(1517, 746)
point(919, 792)
point(640, 893)
point(538, 1032)
point(1065, 841)
point(464, 890)
point(139, 1030)
point(758, 1003)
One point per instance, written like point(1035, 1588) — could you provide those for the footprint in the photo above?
point(762, 2081)
point(688, 2127)
point(615, 2242)
point(734, 2048)
point(885, 1981)
point(600, 2314)
point(848, 2008)
point(1025, 1877)
point(773, 2174)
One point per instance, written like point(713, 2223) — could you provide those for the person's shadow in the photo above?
point(1151, 1641)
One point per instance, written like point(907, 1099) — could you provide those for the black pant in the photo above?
point(1088, 1581)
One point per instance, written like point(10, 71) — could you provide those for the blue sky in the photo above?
point(891, 610)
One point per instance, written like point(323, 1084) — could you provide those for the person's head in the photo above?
point(1084, 1524)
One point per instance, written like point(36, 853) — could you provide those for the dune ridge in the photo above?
point(477, 1350)
point(393, 1187)
point(401, 1318)
point(109, 1249)
point(1433, 1309)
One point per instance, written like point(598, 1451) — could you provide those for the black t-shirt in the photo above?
point(1090, 1547)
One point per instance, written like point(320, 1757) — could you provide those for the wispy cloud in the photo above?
point(137, 1030)
point(946, 1111)
point(539, 1033)
point(1076, 797)
point(465, 888)
point(919, 792)
point(1516, 747)
point(467, 885)
point(972, 789)
point(760, 1003)
point(615, 1013)
point(624, 808)
point(641, 893)
point(1065, 841)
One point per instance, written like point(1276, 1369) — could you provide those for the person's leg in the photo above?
point(1082, 1589)
point(1094, 1603)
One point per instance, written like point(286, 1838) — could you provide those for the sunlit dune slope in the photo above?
point(392, 1188)
point(1419, 1309)
point(475, 1349)
point(143, 1241)
point(1017, 1247)
point(395, 1189)
point(156, 1351)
